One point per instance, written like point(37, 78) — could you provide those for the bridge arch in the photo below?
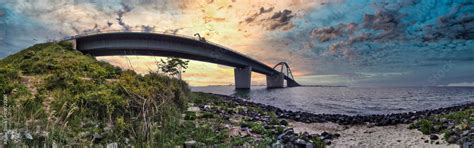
point(156, 44)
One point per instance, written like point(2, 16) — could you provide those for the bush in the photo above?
point(424, 125)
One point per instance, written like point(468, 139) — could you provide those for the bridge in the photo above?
point(171, 45)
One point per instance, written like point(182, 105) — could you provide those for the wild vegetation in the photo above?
point(56, 94)
point(456, 127)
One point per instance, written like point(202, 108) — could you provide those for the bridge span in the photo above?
point(156, 44)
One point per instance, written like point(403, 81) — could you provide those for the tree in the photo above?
point(173, 66)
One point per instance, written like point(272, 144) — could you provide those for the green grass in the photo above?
point(425, 126)
point(72, 97)
point(78, 95)
point(433, 125)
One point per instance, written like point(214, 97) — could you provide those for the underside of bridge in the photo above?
point(153, 44)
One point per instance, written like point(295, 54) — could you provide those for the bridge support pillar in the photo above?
point(290, 83)
point(276, 81)
point(242, 77)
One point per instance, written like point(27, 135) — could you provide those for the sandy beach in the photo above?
point(372, 136)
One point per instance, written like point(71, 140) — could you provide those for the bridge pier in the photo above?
point(276, 81)
point(290, 83)
point(242, 77)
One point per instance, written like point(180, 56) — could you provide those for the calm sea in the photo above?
point(352, 100)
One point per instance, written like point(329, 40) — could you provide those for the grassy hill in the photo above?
point(53, 93)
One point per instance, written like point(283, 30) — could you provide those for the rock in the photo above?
point(465, 133)
point(293, 137)
point(327, 142)
point(453, 139)
point(300, 143)
point(297, 117)
point(112, 145)
point(127, 140)
point(190, 144)
point(97, 137)
point(284, 122)
point(54, 145)
point(434, 137)
point(245, 129)
point(277, 144)
point(426, 141)
point(326, 135)
point(309, 145)
point(207, 107)
point(193, 109)
point(306, 136)
point(463, 140)
point(287, 136)
point(27, 135)
point(468, 144)
point(437, 142)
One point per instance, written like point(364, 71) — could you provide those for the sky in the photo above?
point(325, 42)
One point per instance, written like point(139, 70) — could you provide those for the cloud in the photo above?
point(146, 28)
point(462, 84)
point(173, 31)
point(280, 19)
point(328, 37)
point(333, 32)
point(255, 15)
point(457, 24)
point(125, 9)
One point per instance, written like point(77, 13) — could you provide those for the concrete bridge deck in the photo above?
point(155, 44)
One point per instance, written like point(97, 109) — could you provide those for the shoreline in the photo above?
point(392, 130)
point(372, 120)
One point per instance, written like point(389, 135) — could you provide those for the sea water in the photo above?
point(351, 100)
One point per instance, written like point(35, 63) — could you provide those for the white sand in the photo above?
point(377, 136)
